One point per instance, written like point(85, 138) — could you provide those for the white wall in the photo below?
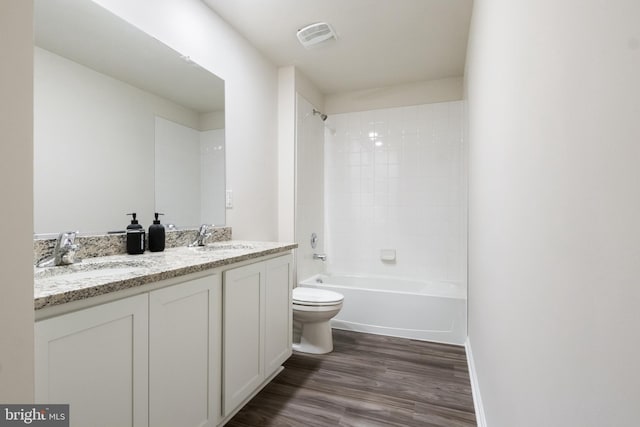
point(309, 212)
point(416, 93)
point(307, 89)
point(178, 179)
point(189, 174)
point(251, 120)
point(395, 179)
point(212, 172)
point(294, 131)
point(554, 208)
point(286, 153)
point(16, 193)
point(94, 136)
point(211, 121)
point(291, 84)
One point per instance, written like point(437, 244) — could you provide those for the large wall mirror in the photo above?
point(122, 123)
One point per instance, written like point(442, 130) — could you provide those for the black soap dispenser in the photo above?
point(156, 235)
point(135, 237)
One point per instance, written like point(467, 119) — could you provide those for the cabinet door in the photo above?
point(278, 313)
point(243, 329)
point(184, 381)
point(96, 360)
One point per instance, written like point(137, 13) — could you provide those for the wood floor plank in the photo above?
point(369, 381)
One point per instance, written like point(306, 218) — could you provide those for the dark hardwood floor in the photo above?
point(368, 380)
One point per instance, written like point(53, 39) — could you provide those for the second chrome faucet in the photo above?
point(203, 234)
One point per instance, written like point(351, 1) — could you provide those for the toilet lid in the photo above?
point(314, 296)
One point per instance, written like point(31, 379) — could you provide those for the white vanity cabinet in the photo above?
point(184, 360)
point(148, 360)
point(186, 351)
point(243, 371)
point(256, 327)
point(96, 360)
point(278, 313)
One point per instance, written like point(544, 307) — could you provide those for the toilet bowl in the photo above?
point(313, 310)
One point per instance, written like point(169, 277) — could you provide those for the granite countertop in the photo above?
point(101, 275)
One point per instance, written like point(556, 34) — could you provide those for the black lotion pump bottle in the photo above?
point(156, 235)
point(135, 237)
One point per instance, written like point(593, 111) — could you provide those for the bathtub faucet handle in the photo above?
point(322, 257)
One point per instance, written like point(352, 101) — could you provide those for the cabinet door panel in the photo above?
point(243, 332)
point(96, 360)
point(278, 313)
point(182, 366)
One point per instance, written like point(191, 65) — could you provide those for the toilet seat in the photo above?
point(315, 297)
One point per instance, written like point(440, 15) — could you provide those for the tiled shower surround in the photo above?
point(396, 179)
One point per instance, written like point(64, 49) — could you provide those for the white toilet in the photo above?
point(312, 310)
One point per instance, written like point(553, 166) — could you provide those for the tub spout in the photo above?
point(322, 257)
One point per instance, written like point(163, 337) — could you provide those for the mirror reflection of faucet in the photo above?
point(64, 252)
point(322, 257)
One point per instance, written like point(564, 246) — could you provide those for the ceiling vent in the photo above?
point(314, 34)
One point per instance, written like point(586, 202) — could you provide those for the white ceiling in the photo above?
point(381, 42)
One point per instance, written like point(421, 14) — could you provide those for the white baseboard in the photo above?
point(475, 388)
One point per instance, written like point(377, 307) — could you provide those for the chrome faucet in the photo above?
point(64, 252)
point(322, 257)
point(203, 234)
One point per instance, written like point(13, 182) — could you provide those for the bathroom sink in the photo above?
point(88, 270)
point(223, 246)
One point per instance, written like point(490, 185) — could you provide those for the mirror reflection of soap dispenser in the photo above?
point(156, 235)
point(135, 237)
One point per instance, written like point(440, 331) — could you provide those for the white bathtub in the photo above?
point(429, 311)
